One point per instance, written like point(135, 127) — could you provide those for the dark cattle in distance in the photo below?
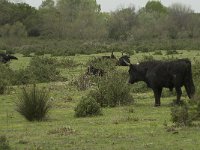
point(123, 60)
point(164, 74)
point(4, 58)
point(91, 70)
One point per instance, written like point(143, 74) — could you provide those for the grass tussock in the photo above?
point(33, 103)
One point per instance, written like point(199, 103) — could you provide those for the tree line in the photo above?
point(84, 20)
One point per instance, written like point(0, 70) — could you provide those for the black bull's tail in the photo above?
point(188, 83)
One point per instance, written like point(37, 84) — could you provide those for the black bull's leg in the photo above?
point(157, 95)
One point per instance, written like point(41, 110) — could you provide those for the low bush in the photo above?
point(140, 87)
point(44, 69)
point(87, 107)
point(23, 76)
point(33, 103)
point(112, 90)
point(180, 115)
point(40, 69)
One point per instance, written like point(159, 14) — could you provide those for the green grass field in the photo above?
point(139, 126)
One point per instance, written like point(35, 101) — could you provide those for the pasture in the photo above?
point(138, 126)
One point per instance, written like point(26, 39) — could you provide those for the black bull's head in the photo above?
point(135, 73)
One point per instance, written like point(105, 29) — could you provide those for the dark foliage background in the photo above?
point(69, 27)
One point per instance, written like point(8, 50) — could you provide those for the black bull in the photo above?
point(168, 74)
point(4, 58)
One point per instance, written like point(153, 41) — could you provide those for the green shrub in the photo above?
point(87, 107)
point(4, 143)
point(112, 90)
point(23, 76)
point(140, 87)
point(180, 115)
point(44, 69)
point(33, 103)
point(40, 69)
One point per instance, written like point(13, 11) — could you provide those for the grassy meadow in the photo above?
point(138, 126)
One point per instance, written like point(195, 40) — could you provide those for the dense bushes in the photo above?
point(72, 47)
point(87, 107)
point(112, 90)
point(40, 69)
point(33, 104)
point(23, 76)
point(153, 27)
point(180, 115)
point(44, 69)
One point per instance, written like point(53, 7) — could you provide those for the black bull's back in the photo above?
point(169, 74)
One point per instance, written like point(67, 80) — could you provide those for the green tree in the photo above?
point(178, 20)
point(155, 6)
point(10, 13)
point(47, 4)
point(73, 19)
point(121, 23)
point(17, 30)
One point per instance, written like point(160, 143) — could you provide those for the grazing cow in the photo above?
point(123, 60)
point(4, 58)
point(160, 74)
point(91, 70)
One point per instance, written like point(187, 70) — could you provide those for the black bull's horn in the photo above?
point(126, 62)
